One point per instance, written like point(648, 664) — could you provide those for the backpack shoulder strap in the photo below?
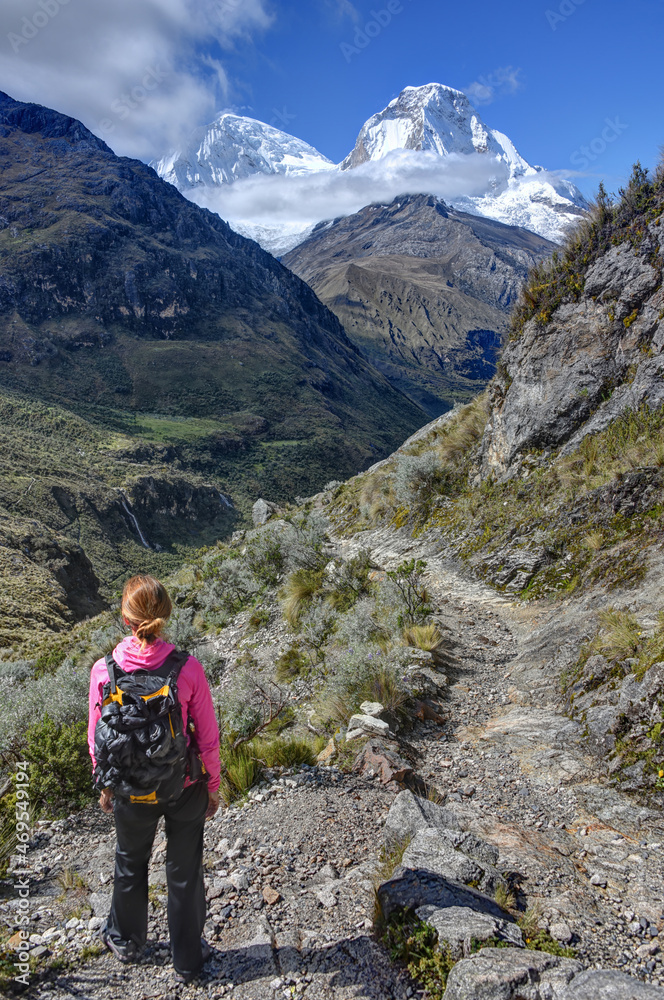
point(173, 663)
point(112, 667)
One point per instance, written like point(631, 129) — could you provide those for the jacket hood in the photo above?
point(129, 655)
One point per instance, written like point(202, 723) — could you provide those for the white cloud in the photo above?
point(501, 82)
point(138, 73)
point(277, 200)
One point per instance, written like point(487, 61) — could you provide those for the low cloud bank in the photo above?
point(310, 198)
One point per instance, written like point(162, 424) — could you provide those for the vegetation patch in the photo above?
point(414, 944)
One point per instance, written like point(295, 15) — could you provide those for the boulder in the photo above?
point(425, 681)
point(431, 851)
point(409, 889)
point(381, 758)
point(511, 974)
point(605, 984)
point(262, 511)
point(409, 814)
point(457, 926)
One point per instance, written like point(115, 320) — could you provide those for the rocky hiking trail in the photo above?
point(291, 876)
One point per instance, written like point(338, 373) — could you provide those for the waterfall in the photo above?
point(226, 501)
point(136, 524)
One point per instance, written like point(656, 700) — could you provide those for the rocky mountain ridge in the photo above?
point(423, 289)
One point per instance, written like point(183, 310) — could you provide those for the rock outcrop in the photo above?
point(592, 361)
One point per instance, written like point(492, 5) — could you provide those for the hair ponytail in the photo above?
point(146, 607)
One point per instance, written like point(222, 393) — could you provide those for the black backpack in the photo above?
point(140, 744)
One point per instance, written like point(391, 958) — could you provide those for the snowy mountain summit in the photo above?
point(441, 120)
point(434, 118)
point(275, 188)
point(232, 148)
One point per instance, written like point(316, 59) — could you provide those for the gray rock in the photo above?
point(605, 984)
point(409, 814)
point(433, 852)
point(100, 903)
point(409, 889)
point(425, 681)
point(366, 725)
point(511, 974)
point(550, 389)
point(456, 925)
point(372, 708)
point(262, 511)
point(560, 931)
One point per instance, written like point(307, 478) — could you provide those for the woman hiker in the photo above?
point(126, 761)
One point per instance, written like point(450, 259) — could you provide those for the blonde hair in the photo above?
point(146, 607)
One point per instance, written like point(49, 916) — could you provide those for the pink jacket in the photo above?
point(193, 694)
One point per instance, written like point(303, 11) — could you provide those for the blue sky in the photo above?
point(596, 61)
point(552, 73)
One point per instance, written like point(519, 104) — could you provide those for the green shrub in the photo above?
point(63, 696)
point(365, 674)
point(292, 663)
point(258, 618)
point(414, 944)
point(265, 554)
point(351, 581)
point(60, 766)
point(407, 578)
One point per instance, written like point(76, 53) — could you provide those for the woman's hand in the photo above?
point(213, 804)
point(106, 800)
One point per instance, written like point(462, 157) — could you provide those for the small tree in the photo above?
point(407, 579)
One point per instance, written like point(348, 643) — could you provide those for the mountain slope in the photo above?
point(423, 290)
point(203, 368)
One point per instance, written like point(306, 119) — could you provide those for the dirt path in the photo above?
point(290, 875)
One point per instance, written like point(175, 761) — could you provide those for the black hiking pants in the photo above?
point(136, 824)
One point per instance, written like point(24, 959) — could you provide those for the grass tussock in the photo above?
point(242, 766)
point(425, 637)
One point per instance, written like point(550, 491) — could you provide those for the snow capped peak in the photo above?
point(440, 120)
point(233, 147)
point(431, 118)
point(275, 188)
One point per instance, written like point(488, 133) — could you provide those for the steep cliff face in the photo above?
point(591, 354)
